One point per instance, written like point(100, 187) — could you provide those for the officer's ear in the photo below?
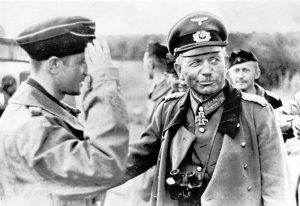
point(54, 64)
point(257, 71)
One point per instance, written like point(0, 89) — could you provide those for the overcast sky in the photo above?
point(153, 17)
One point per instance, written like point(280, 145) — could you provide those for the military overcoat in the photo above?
point(251, 169)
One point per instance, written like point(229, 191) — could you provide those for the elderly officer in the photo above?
point(46, 159)
point(214, 145)
point(244, 70)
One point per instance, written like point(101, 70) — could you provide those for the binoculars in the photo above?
point(185, 186)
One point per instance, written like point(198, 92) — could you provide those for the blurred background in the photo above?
point(271, 29)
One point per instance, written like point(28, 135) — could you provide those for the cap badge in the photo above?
point(201, 36)
point(199, 20)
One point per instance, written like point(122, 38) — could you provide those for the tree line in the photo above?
point(278, 54)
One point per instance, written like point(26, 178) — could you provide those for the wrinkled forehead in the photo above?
point(204, 56)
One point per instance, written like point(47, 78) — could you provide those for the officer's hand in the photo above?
point(97, 55)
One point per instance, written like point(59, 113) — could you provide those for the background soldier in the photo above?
point(244, 70)
point(46, 159)
point(160, 67)
point(213, 145)
point(155, 63)
point(7, 89)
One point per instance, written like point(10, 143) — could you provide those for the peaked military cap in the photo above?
point(59, 37)
point(157, 49)
point(197, 33)
point(239, 56)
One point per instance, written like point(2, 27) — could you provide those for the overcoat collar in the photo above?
point(31, 96)
point(229, 123)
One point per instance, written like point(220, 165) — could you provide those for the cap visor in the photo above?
point(202, 50)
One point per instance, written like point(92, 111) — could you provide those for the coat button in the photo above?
point(199, 169)
point(243, 144)
point(201, 129)
point(245, 166)
point(238, 125)
point(249, 188)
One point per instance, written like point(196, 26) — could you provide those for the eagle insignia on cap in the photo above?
point(199, 20)
point(201, 36)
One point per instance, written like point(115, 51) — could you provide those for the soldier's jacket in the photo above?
point(275, 103)
point(270, 97)
point(47, 159)
point(156, 96)
point(251, 168)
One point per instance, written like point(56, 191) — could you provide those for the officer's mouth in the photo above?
point(206, 83)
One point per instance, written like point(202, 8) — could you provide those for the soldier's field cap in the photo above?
point(157, 49)
point(58, 37)
point(197, 33)
point(239, 56)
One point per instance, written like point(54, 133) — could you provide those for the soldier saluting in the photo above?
point(213, 145)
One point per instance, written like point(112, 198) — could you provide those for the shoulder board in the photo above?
point(174, 95)
point(271, 94)
point(35, 111)
point(254, 98)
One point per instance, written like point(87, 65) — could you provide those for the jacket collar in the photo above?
point(29, 95)
point(259, 90)
point(230, 117)
point(159, 90)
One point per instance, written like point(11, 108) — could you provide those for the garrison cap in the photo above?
point(58, 37)
point(239, 56)
point(157, 49)
point(170, 64)
point(197, 33)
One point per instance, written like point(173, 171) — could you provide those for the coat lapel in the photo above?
point(180, 145)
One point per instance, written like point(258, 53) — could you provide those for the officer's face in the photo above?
point(204, 74)
point(147, 65)
point(72, 74)
point(243, 75)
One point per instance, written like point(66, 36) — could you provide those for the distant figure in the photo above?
point(243, 71)
point(9, 84)
point(155, 63)
point(177, 85)
point(7, 89)
point(288, 118)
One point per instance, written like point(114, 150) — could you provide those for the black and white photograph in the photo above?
point(149, 103)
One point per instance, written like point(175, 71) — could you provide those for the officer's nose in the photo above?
point(240, 74)
point(206, 69)
point(84, 69)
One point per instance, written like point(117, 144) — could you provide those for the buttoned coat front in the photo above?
point(251, 169)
